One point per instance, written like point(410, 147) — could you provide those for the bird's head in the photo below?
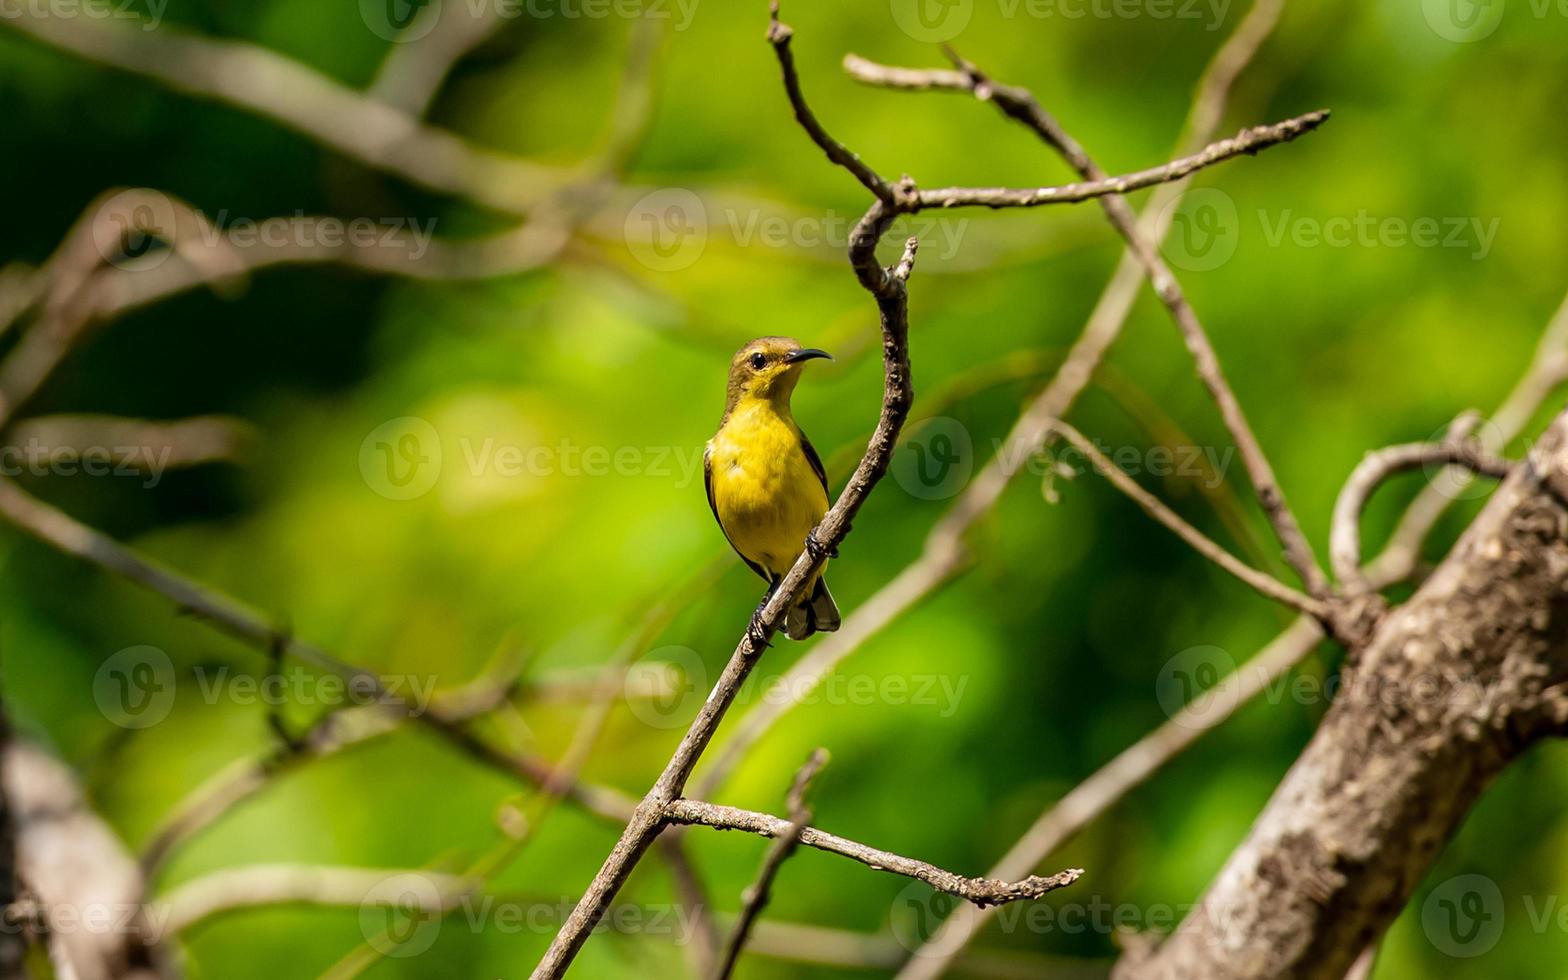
point(768, 368)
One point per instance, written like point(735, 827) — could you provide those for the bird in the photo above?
point(766, 485)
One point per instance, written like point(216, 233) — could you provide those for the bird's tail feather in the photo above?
point(818, 614)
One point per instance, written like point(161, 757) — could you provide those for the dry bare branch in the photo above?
point(1266, 585)
point(982, 892)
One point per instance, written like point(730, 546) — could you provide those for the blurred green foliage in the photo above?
point(1055, 639)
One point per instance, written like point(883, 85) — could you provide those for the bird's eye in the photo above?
point(758, 360)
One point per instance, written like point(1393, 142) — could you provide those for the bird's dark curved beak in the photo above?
point(805, 354)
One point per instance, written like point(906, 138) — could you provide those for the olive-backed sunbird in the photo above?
point(765, 482)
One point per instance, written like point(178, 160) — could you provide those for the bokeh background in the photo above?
point(989, 701)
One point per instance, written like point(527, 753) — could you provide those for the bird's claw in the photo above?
point(756, 634)
point(816, 549)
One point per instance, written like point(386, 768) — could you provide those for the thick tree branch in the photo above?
point(1111, 783)
point(1452, 686)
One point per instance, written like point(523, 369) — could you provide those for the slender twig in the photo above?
point(756, 896)
point(1111, 783)
point(780, 35)
point(1265, 584)
point(1020, 105)
point(1369, 474)
point(703, 951)
point(1103, 187)
point(982, 892)
point(944, 554)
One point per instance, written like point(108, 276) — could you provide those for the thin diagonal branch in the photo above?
point(780, 35)
point(1103, 187)
point(889, 290)
point(982, 892)
point(1018, 104)
point(756, 896)
point(1266, 585)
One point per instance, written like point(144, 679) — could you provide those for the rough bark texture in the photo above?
point(1450, 688)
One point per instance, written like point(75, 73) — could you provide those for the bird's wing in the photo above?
point(707, 482)
point(816, 465)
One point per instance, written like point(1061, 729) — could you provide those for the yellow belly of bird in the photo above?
point(767, 495)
